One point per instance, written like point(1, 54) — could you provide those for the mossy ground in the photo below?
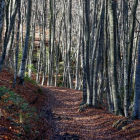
point(20, 109)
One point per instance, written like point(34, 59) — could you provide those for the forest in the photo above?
point(67, 63)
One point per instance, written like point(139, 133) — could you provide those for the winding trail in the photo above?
point(90, 124)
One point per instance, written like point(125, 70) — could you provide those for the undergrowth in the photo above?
point(17, 110)
point(28, 79)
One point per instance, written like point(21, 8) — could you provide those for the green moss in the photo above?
point(59, 84)
point(60, 77)
point(20, 112)
point(32, 68)
point(40, 91)
point(28, 79)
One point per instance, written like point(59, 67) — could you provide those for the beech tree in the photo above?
point(26, 43)
point(9, 28)
point(17, 45)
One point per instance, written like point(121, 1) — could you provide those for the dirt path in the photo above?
point(90, 124)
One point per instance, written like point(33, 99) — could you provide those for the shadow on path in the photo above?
point(91, 124)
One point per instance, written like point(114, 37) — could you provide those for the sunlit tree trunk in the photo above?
point(49, 80)
point(30, 56)
point(8, 32)
point(87, 44)
point(136, 110)
point(40, 51)
point(77, 76)
point(83, 65)
point(125, 50)
point(130, 46)
point(44, 42)
point(17, 44)
point(2, 16)
point(69, 44)
point(26, 43)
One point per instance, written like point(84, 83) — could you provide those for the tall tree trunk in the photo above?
point(49, 80)
point(106, 60)
point(57, 53)
point(26, 43)
point(44, 43)
point(30, 65)
point(39, 63)
point(114, 84)
point(126, 107)
point(95, 51)
point(83, 54)
point(136, 110)
point(130, 46)
point(2, 16)
point(7, 33)
point(87, 44)
point(69, 44)
point(17, 44)
point(77, 79)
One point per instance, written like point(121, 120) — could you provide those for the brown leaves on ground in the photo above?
point(40, 128)
point(59, 118)
point(86, 125)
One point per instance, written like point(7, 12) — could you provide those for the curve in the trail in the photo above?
point(90, 124)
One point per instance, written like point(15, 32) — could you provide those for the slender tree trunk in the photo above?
point(69, 45)
point(77, 79)
point(26, 43)
point(39, 66)
point(126, 107)
point(56, 51)
point(87, 44)
point(136, 110)
point(2, 16)
point(49, 80)
point(7, 33)
point(30, 65)
point(17, 44)
point(83, 57)
point(106, 60)
point(130, 46)
point(44, 43)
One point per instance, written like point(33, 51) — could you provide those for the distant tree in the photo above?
point(44, 41)
point(32, 47)
point(51, 50)
point(9, 28)
point(2, 16)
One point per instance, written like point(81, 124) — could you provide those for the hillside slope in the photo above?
point(57, 115)
point(23, 120)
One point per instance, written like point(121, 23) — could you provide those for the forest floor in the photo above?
point(89, 124)
point(57, 116)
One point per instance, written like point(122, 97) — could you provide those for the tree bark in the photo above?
point(112, 30)
point(26, 44)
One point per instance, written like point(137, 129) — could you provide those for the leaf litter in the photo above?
point(56, 116)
